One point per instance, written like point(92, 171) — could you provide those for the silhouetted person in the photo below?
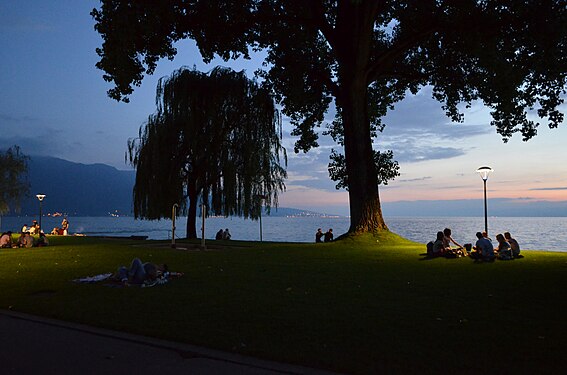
point(219, 235)
point(319, 235)
point(226, 235)
point(329, 235)
point(513, 244)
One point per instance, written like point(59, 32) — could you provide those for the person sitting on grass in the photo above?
point(438, 245)
point(139, 272)
point(328, 235)
point(25, 240)
point(219, 234)
point(483, 249)
point(318, 235)
point(42, 240)
point(6, 240)
point(447, 239)
point(514, 245)
point(226, 235)
point(504, 249)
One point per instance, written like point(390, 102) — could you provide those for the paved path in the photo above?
point(35, 345)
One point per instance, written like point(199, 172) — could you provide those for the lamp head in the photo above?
point(484, 172)
point(40, 197)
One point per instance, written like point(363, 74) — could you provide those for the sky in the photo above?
point(53, 102)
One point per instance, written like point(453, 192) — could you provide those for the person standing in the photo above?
point(65, 226)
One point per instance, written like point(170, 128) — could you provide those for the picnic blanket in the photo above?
point(111, 281)
point(93, 279)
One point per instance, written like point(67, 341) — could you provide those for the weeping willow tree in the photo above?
point(214, 139)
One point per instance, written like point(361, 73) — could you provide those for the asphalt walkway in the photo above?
point(35, 345)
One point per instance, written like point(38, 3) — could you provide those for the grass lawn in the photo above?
point(365, 305)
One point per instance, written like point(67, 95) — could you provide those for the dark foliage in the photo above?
point(13, 179)
point(366, 55)
point(213, 139)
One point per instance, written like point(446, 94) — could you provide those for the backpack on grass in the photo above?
point(430, 248)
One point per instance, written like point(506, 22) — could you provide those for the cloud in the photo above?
point(15, 120)
point(415, 179)
point(411, 151)
point(417, 130)
point(551, 188)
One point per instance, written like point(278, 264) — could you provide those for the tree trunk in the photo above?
point(364, 199)
point(355, 27)
point(192, 211)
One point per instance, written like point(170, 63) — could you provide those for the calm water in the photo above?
point(542, 233)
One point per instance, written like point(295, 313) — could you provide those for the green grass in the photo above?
point(364, 305)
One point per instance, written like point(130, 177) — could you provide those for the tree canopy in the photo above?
point(13, 178)
point(213, 139)
point(365, 55)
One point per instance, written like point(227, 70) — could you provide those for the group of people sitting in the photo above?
point(25, 240)
point(324, 237)
point(508, 248)
point(63, 230)
point(32, 229)
point(223, 235)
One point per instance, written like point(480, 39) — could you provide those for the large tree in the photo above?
point(213, 139)
point(364, 54)
point(13, 178)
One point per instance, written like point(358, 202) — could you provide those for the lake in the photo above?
point(540, 233)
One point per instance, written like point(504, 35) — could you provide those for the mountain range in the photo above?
point(76, 189)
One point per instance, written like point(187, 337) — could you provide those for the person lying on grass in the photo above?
point(139, 272)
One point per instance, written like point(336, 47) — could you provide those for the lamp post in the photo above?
point(203, 213)
point(173, 216)
point(40, 197)
point(484, 172)
point(261, 198)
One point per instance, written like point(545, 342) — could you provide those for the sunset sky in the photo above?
point(53, 102)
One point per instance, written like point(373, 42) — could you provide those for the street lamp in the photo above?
point(173, 216)
point(40, 197)
point(261, 198)
point(203, 214)
point(484, 172)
